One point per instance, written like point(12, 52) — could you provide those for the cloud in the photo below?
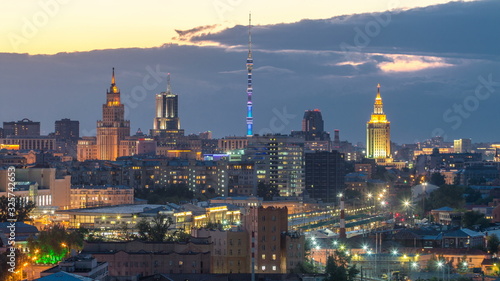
point(409, 63)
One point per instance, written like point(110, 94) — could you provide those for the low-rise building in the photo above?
point(85, 196)
point(81, 265)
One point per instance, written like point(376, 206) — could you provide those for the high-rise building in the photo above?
point(24, 127)
point(278, 161)
point(313, 126)
point(324, 175)
point(313, 121)
point(167, 112)
point(275, 249)
point(113, 127)
point(378, 132)
point(462, 145)
point(67, 130)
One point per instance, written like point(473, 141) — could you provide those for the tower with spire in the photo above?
point(249, 117)
point(378, 131)
point(113, 127)
point(166, 122)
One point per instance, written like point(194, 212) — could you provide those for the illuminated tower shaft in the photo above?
point(378, 131)
point(249, 85)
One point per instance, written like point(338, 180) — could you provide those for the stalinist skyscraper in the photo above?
point(378, 132)
point(113, 127)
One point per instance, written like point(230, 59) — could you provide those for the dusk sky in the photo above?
point(438, 64)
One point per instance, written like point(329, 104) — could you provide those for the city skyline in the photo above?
point(427, 91)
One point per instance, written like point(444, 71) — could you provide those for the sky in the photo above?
point(438, 64)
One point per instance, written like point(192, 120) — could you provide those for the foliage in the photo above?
point(462, 266)
point(267, 191)
point(174, 193)
point(21, 259)
point(305, 267)
point(493, 243)
point(156, 230)
point(213, 225)
point(53, 244)
point(437, 179)
point(448, 196)
point(22, 209)
point(473, 218)
point(338, 268)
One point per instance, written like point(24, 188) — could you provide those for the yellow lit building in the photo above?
point(113, 127)
point(378, 132)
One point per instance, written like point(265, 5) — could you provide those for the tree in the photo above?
point(21, 212)
point(305, 267)
point(338, 268)
point(156, 230)
point(53, 244)
point(473, 218)
point(493, 243)
point(437, 179)
point(447, 196)
point(267, 191)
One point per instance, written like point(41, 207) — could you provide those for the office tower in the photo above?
point(378, 132)
point(313, 122)
point(462, 145)
point(167, 125)
point(249, 117)
point(67, 130)
point(113, 127)
point(324, 174)
point(24, 127)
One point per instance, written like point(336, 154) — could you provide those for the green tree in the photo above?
point(267, 191)
point(156, 230)
point(437, 179)
point(21, 212)
point(493, 243)
point(53, 244)
point(474, 218)
point(305, 267)
point(338, 267)
point(447, 196)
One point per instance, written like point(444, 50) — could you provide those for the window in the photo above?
point(263, 268)
point(263, 256)
point(274, 267)
point(274, 257)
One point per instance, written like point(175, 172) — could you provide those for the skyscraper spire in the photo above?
point(378, 106)
point(249, 117)
point(113, 82)
point(169, 89)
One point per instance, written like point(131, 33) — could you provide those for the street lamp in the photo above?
point(440, 265)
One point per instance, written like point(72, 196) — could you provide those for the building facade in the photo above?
point(324, 175)
point(278, 161)
point(166, 122)
point(378, 132)
point(24, 127)
point(113, 127)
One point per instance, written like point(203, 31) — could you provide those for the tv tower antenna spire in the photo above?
point(249, 117)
